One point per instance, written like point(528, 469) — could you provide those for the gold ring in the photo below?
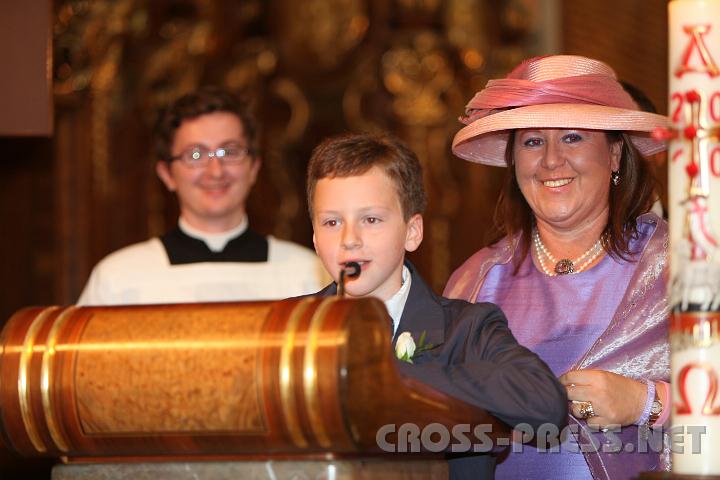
point(586, 410)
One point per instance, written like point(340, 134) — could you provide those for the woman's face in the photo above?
point(565, 174)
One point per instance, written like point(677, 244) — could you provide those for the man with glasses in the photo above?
point(207, 148)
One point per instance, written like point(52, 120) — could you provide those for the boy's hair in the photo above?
point(355, 153)
point(195, 104)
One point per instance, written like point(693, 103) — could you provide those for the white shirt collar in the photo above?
point(215, 241)
point(396, 304)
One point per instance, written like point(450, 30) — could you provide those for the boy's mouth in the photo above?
point(363, 263)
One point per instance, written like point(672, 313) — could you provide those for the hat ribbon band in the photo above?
point(584, 89)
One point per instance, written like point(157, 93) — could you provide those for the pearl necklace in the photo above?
point(565, 266)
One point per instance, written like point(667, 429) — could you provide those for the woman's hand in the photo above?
point(616, 400)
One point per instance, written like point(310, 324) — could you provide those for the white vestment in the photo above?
point(142, 274)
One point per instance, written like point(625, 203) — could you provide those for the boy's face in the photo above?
point(360, 219)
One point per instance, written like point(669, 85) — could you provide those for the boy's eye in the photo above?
point(372, 220)
point(330, 223)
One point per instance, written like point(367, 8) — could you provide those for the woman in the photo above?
point(579, 271)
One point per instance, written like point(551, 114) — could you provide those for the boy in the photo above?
point(366, 198)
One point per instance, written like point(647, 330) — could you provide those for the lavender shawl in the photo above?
point(635, 344)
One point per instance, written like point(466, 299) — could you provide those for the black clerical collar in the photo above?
point(183, 249)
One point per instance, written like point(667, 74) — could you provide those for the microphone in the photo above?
point(350, 270)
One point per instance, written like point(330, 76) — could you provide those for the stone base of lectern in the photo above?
point(675, 476)
point(258, 470)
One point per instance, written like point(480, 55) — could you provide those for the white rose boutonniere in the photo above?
point(405, 348)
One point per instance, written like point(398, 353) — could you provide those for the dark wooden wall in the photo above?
point(25, 83)
point(313, 68)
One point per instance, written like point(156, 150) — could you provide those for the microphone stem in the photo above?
point(341, 284)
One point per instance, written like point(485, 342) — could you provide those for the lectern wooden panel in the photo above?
point(293, 377)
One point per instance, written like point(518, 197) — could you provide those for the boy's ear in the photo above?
point(315, 243)
point(414, 235)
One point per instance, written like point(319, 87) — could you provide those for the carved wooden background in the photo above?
point(313, 68)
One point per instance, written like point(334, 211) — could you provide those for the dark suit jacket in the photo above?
point(478, 360)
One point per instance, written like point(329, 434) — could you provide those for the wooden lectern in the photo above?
point(302, 380)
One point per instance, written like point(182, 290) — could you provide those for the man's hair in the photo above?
point(354, 154)
point(632, 197)
point(201, 102)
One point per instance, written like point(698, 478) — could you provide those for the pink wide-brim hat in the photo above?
point(559, 91)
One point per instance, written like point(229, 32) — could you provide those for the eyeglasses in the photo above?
point(199, 157)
